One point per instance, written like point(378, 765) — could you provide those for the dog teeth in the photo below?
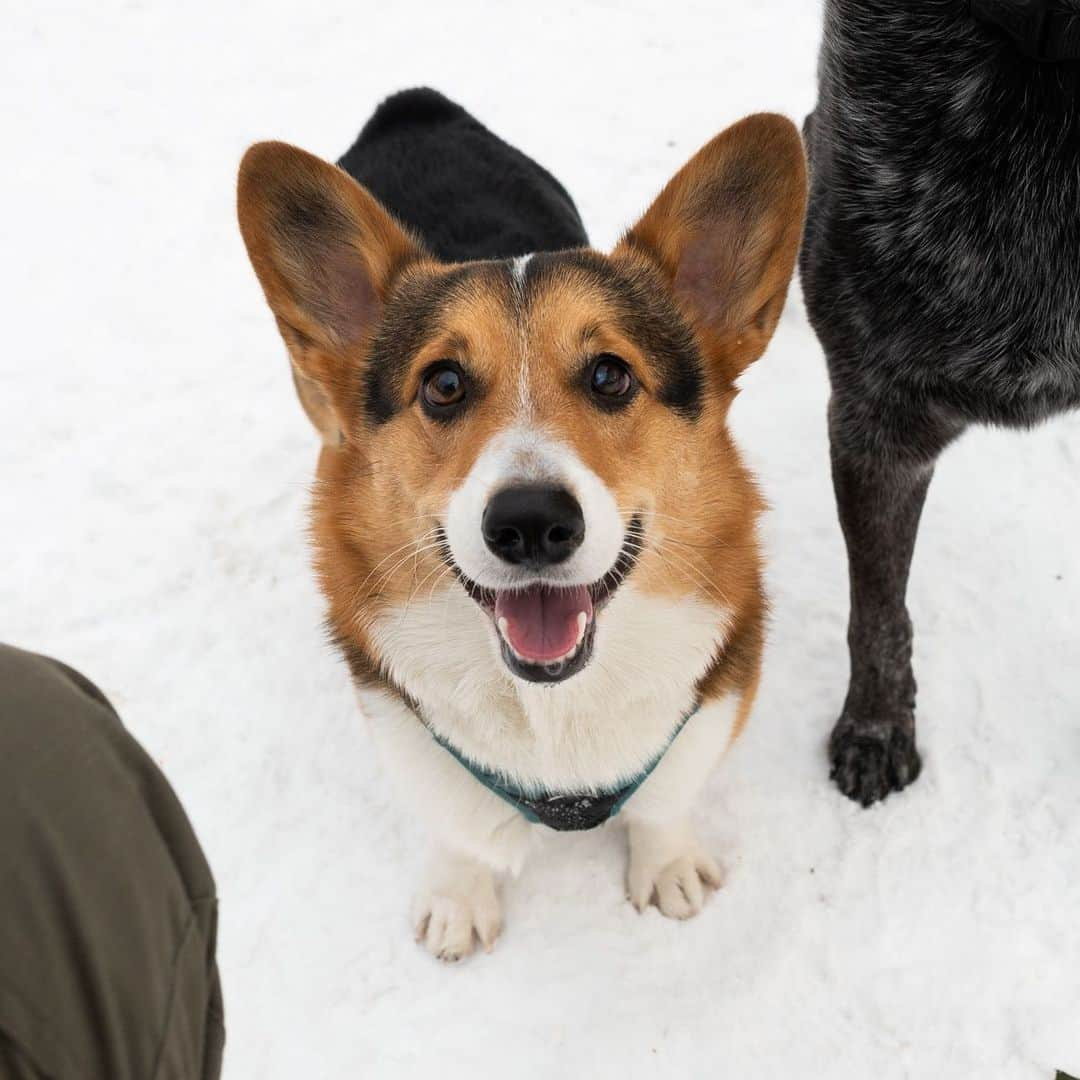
point(504, 633)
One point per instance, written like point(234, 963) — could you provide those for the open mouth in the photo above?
point(547, 632)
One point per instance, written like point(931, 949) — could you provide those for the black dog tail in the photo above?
point(418, 107)
point(459, 186)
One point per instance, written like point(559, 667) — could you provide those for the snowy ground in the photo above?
point(154, 465)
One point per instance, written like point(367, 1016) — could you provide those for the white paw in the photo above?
point(668, 867)
point(457, 906)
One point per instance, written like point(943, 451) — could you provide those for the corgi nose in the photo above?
point(533, 526)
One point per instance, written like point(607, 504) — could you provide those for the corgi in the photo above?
point(535, 535)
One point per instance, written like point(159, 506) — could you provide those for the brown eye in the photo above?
point(442, 389)
point(611, 381)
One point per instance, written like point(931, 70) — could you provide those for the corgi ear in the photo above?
point(725, 232)
point(326, 254)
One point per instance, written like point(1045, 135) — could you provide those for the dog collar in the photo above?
point(1043, 32)
point(556, 810)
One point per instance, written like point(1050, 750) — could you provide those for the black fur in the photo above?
point(472, 198)
point(465, 191)
point(647, 315)
point(411, 314)
point(941, 268)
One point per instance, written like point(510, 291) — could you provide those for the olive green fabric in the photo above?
point(108, 913)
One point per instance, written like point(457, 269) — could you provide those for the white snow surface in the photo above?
point(155, 467)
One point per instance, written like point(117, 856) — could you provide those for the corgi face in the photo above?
point(538, 431)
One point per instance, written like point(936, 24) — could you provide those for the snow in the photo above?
point(155, 464)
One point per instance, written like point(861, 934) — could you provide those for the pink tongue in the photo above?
point(542, 622)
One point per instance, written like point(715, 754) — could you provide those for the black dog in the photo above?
point(941, 268)
point(468, 193)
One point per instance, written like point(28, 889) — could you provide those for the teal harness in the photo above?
point(567, 813)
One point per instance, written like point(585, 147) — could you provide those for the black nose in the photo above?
point(537, 526)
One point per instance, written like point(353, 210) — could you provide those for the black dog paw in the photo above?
point(869, 765)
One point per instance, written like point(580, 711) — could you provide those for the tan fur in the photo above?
point(731, 278)
point(381, 490)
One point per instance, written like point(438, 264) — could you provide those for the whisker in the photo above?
point(429, 535)
point(712, 544)
point(414, 555)
point(416, 589)
point(360, 592)
point(674, 561)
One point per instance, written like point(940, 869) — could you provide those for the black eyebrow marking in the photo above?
point(588, 332)
point(413, 315)
point(647, 314)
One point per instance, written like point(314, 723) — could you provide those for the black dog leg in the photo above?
point(880, 499)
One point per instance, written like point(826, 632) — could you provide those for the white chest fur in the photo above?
point(596, 730)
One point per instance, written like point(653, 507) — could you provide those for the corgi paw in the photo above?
point(457, 906)
point(669, 868)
